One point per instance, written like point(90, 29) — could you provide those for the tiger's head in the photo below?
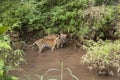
point(63, 37)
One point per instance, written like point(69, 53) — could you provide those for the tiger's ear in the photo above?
point(58, 36)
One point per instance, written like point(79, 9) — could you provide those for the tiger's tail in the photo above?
point(32, 44)
point(27, 45)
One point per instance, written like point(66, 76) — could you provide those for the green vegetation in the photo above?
point(9, 59)
point(82, 19)
point(103, 55)
point(78, 17)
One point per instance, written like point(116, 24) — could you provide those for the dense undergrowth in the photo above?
point(9, 58)
point(81, 19)
point(104, 56)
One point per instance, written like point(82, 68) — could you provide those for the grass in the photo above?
point(103, 55)
point(62, 69)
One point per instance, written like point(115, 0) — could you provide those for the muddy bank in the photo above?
point(70, 56)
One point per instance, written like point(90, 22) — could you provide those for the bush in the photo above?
point(9, 59)
point(79, 17)
point(84, 19)
point(103, 55)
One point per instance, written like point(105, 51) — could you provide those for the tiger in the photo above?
point(52, 36)
point(46, 42)
point(60, 41)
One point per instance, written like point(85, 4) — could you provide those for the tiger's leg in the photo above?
point(58, 45)
point(61, 45)
point(40, 50)
point(53, 47)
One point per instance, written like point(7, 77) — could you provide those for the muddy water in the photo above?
point(70, 56)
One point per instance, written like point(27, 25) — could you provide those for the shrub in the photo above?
point(103, 55)
point(79, 17)
point(9, 59)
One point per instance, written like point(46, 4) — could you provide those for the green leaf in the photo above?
point(5, 45)
point(1, 67)
point(14, 78)
point(3, 29)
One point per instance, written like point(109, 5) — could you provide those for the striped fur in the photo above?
point(45, 42)
point(52, 41)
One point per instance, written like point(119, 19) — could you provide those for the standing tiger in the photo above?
point(60, 41)
point(45, 42)
point(52, 41)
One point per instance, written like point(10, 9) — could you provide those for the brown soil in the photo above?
point(70, 56)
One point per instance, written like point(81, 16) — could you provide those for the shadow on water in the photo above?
point(70, 56)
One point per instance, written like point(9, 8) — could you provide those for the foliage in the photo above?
point(9, 58)
point(103, 55)
point(3, 75)
point(84, 19)
point(106, 2)
point(59, 16)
